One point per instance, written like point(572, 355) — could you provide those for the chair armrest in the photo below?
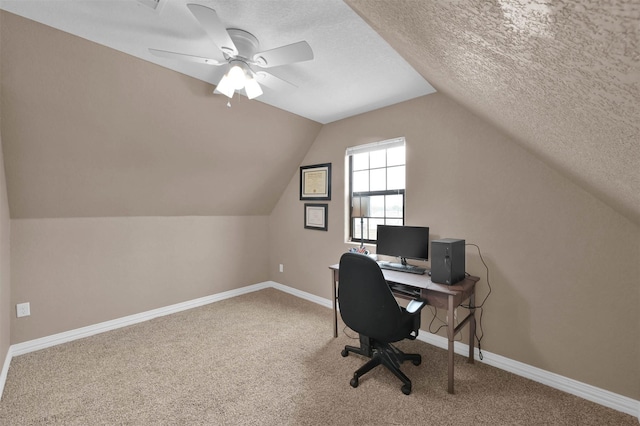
point(415, 306)
point(413, 309)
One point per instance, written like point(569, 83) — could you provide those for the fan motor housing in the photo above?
point(246, 43)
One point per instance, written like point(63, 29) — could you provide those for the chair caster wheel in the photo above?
point(354, 383)
point(417, 361)
point(344, 352)
point(406, 389)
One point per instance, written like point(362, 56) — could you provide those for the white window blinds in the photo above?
point(375, 146)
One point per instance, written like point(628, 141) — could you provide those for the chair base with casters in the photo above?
point(382, 354)
point(365, 348)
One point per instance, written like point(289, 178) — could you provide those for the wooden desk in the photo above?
point(442, 296)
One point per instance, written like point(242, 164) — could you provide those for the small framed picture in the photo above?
point(315, 216)
point(315, 182)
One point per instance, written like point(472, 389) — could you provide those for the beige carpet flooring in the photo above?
point(265, 358)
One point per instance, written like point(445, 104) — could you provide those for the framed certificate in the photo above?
point(315, 182)
point(315, 216)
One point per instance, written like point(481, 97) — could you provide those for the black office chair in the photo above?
point(368, 307)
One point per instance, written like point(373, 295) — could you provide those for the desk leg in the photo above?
point(451, 336)
point(334, 297)
point(472, 326)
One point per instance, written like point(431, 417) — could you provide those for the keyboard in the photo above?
point(402, 268)
point(403, 289)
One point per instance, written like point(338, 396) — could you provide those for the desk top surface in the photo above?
point(423, 281)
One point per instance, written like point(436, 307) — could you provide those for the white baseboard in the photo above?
point(79, 333)
point(303, 295)
point(5, 370)
point(591, 393)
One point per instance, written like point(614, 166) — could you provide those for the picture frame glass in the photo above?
point(315, 182)
point(315, 216)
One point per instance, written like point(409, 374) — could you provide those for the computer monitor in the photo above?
point(405, 242)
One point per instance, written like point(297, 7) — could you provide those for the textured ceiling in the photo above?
point(350, 58)
point(562, 77)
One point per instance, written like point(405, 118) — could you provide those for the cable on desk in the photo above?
point(444, 324)
point(435, 315)
point(480, 307)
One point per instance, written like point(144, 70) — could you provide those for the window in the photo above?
point(377, 183)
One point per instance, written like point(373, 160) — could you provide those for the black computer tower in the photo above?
point(447, 261)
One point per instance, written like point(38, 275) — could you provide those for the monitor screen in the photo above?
point(405, 242)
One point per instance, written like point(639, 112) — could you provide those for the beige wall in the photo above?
point(79, 272)
point(5, 284)
point(99, 133)
point(5, 276)
point(563, 266)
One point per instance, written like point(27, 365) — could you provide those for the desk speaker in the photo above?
point(447, 261)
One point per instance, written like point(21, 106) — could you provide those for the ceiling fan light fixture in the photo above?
point(225, 86)
point(252, 87)
point(237, 76)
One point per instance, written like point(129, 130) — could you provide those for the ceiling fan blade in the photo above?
point(183, 57)
point(296, 52)
point(272, 82)
point(214, 27)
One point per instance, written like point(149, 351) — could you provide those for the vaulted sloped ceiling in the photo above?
point(562, 77)
point(89, 131)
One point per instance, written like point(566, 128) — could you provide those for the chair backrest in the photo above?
point(366, 303)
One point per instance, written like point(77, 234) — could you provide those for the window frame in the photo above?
point(377, 146)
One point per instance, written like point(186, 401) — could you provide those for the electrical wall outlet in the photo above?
point(23, 310)
point(281, 267)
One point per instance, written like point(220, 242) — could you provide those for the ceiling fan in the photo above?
point(244, 61)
